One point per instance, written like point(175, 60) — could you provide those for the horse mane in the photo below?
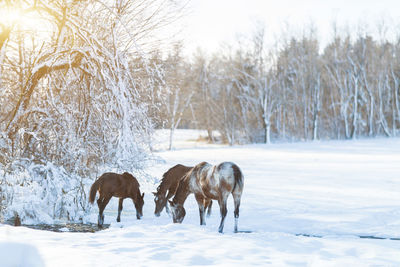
point(168, 178)
point(200, 166)
point(197, 168)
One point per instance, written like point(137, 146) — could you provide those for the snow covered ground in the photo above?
point(307, 204)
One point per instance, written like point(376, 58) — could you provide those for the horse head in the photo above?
point(178, 212)
point(160, 200)
point(139, 205)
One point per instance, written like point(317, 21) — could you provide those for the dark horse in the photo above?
point(209, 182)
point(170, 182)
point(116, 185)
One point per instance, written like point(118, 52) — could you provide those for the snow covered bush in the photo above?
point(44, 193)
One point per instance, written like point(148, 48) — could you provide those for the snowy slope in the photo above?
point(305, 203)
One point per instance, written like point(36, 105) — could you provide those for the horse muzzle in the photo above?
point(177, 220)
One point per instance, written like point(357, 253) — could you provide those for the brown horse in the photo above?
point(209, 182)
point(170, 182)
point(116, 185)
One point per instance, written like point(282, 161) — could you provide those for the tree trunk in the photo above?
point(355, 110)
point(171, 137)
point(267, 133)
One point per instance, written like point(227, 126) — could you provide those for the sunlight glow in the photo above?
point(10, 16)
point(24, 20)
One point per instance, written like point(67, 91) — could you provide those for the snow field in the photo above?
point(305, 203)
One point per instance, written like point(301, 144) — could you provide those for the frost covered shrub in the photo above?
point(44, 193)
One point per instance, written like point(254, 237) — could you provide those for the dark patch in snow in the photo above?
point(243, 231)
point(67, 227)
point(378, 237)
point(359, 236)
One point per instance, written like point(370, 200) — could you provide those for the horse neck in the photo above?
point(182, 192)
point(134, 192)
point(163, 187)
point(171, 177)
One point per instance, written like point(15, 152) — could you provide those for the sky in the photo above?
point(212, 22)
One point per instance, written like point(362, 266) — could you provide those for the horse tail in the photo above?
point(93, 190)
point(237, 173)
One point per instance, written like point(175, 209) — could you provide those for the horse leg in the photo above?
point(101, 209)
point(200, 202)
point(100, 217)
point(119, 209)
point(169, 195)
point(167, 208)
point(236, 201)
point(208, 205)
point(223, 210)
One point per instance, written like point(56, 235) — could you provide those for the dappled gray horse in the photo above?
point(209, 182)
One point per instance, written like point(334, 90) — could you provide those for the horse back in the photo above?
point(118, 185)
point(224, 178)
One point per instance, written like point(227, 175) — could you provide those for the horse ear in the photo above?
point(143, 195)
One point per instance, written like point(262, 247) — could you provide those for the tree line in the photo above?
point(295, 91)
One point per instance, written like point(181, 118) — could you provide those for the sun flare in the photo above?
point(9, 16)
point(25, 20)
